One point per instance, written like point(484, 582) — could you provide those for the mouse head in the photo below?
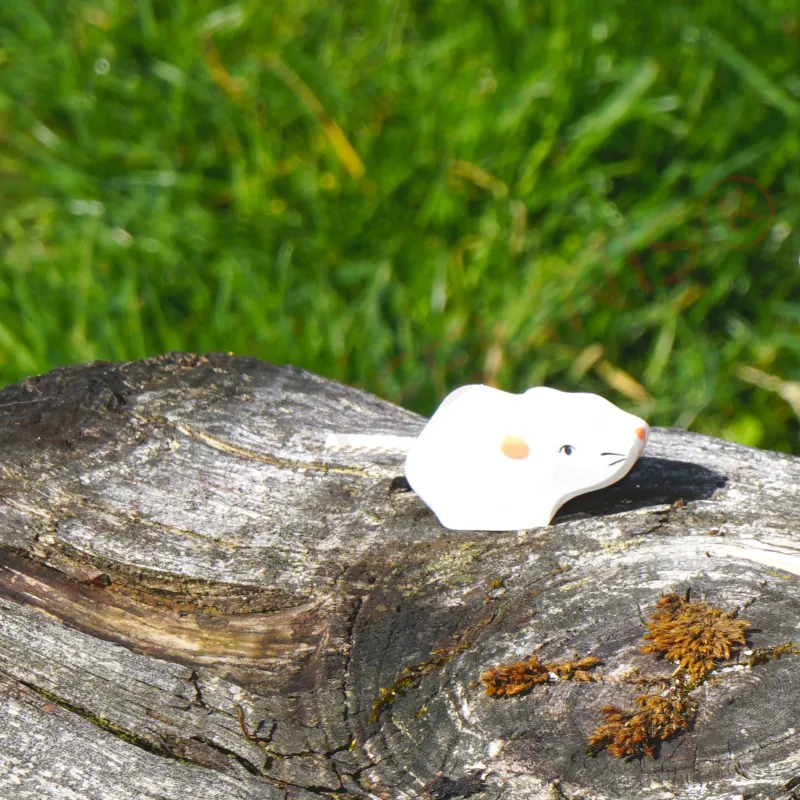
point(491, 460)
point(586, 441)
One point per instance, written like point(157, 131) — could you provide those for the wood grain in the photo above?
point(198, 599)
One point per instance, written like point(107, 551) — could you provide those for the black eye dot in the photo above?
point(567, 449)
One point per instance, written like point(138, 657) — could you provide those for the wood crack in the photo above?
point(115, 730)
point(228, 753)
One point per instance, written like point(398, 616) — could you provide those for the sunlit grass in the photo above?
point(408, 196)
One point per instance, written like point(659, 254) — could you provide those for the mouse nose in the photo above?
point(641, 433)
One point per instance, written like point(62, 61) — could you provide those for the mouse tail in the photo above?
point(378, 442)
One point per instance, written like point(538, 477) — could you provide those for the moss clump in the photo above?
point(696, 635)
point(635, 734)
point(506, 681)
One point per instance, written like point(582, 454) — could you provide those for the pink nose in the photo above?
point(641, 433)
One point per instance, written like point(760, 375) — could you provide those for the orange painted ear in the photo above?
point(515, 447)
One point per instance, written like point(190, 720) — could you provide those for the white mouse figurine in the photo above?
point(490, 460)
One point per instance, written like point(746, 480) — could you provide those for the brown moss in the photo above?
point(697, 636)
point(764, 654)
point(512, 679)
point(636, 677)
point(634, 735)
point(694, 634)
point(574, 670)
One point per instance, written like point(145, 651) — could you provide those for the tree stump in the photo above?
point(197, 599)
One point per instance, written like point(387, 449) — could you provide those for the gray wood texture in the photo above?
point(198, 600)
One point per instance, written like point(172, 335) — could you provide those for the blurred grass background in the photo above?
point(409, 196)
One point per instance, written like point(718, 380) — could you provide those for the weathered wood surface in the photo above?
point(197, 600)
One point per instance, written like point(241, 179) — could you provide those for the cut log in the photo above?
point(198, 599)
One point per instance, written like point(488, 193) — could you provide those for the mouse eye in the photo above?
point(567, 449)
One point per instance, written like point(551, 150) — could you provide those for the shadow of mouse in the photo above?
point(653, 481)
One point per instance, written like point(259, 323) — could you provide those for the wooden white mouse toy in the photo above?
point(496, 461)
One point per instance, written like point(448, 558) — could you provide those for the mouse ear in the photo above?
point(459, 393)
point(458, 421)
point(460, 462)
point(463, 414)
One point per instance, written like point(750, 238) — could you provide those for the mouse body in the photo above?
point(497, 461)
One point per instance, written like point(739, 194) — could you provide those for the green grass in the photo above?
point(408, 196)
